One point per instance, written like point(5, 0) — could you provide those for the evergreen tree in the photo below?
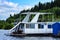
point(40, 6)
point(36, 8)
point(57, 3)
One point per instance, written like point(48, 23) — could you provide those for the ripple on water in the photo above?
point(4, 37)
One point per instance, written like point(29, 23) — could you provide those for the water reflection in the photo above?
point(4, 37)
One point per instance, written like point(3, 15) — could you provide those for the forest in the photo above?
point(49, 7)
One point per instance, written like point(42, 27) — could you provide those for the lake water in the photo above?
point(4, 37)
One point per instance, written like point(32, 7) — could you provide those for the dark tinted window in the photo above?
point(49, 26)
point(40, 26)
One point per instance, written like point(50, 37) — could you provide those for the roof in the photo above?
point(39, 22)
point(34, 13)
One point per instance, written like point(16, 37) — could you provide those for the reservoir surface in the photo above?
point(4, 37)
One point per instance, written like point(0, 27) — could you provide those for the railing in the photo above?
point(24, 20)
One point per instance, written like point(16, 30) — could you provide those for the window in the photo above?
point(30, 25)
point(49, 26)
point(27, 25)
point(21, 25)
point(40, 26)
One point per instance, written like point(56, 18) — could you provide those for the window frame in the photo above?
point(30, 26)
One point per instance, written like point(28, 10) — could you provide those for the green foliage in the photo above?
point(5, 25)
point(52, 10)
point(8, 26)
point(31, 17)
point(45, 7)
point(57, 12)
point(2, 24)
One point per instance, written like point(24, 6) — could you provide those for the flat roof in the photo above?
point(34, 13)
point(39, 22)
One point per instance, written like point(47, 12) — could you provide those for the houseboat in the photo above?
point(36, 23)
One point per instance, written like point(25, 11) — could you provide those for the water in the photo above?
point(4, 37)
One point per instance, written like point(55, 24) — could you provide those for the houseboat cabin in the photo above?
point(34, 23)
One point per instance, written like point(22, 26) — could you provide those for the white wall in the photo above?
point(45, 30)
point(36, 30)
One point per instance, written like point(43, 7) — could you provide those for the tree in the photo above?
point(32, 9)
point(10, 15)
point(8, 26)
point(57, 3)
point(52, 4)
point(40, 6)
point(57, 12)
point(36, 8)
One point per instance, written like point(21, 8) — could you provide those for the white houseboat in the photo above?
point(34, 23)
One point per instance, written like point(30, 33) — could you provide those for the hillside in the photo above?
point(52, 7)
